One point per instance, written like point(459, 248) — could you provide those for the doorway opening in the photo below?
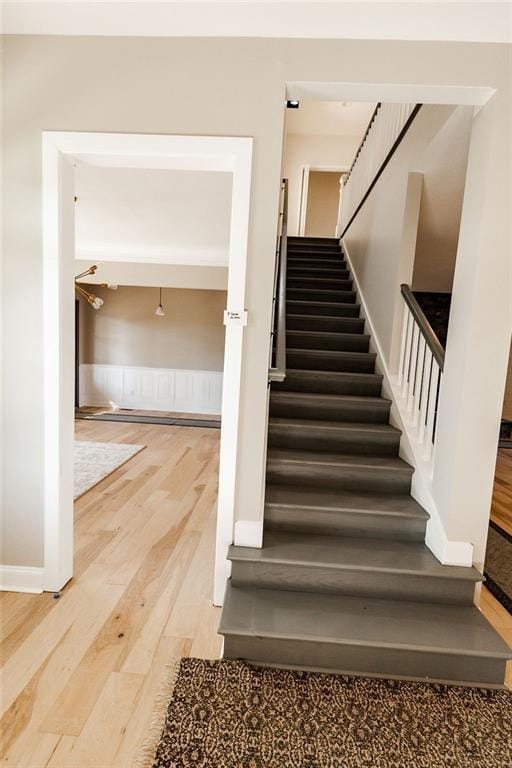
point(63, 155)
point(322, 191)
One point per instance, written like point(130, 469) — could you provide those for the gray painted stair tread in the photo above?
point(334, 426)
point(338, 619)
point(386, 556)
point(322, 304)
point(343, 375)
point(328, 335)
point(333, 353)
point(284, 455)
point(357, 401)
point(327, 500)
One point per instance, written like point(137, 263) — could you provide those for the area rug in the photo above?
point(95, 461)
point(498, 565)
point(228, 714)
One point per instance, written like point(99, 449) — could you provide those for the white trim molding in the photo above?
point(61, 151)
point(17, 578)
point(447, 551)
point(153, 389)
point(249, 533)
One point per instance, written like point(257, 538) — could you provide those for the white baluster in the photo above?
point(405, 323)
point(431, 411)
point(425, 388)
point(412, 367)
point(418, 380)
point(408, 345)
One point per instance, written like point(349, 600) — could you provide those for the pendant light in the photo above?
point(160, 311)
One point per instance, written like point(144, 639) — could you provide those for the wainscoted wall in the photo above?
point(154, 389)
point(126, 331)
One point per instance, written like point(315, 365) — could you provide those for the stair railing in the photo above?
point(387, 127)
point(277, 367)
point(420, 371)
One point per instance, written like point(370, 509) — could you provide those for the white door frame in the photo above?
point(305, 170)
point(61, 152)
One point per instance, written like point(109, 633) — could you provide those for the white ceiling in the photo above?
point(449, 21)
point(153, 216)
point(329, 118)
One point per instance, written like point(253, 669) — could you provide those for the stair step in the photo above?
point(362, 636)
point(306, 270)
point(329, 436)
point(331, 360)
point(313, 243)
point(333, 309)
point(328, 512)
point(321, 294)
point(384, 474)
point(315, 252)
point(323, 283)
point(314, 249)
point(324, 323)
point(330, 382)
point(303, 240)
point(327, 340)
point(346, 408)
point(391, 570)
point(326, 261)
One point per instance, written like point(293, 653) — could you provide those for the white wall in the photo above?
point(316, 151)
point(127, 214)
point(232, 87)
point(444, 176)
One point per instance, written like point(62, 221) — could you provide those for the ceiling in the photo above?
point(427, 20)
point(329, 118)
point(154, 216)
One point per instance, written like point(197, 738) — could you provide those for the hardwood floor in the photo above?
point(80, 673)
point(501, 510)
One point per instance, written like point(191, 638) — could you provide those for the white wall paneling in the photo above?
point(153, 389)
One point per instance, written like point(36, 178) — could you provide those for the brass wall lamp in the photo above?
point(94, 301)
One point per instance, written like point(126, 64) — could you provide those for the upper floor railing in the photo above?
point(277, 367)
point(420, 371)
point(386, 129)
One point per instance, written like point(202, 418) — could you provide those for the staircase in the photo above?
point(344, 582)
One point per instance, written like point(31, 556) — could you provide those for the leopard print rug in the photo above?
point(228, 714)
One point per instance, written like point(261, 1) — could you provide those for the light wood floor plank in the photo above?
point(136, 534)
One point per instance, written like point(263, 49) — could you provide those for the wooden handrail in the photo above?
point(354, 161)
point(386, 160)
point(277, 372)
point(424, 326)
